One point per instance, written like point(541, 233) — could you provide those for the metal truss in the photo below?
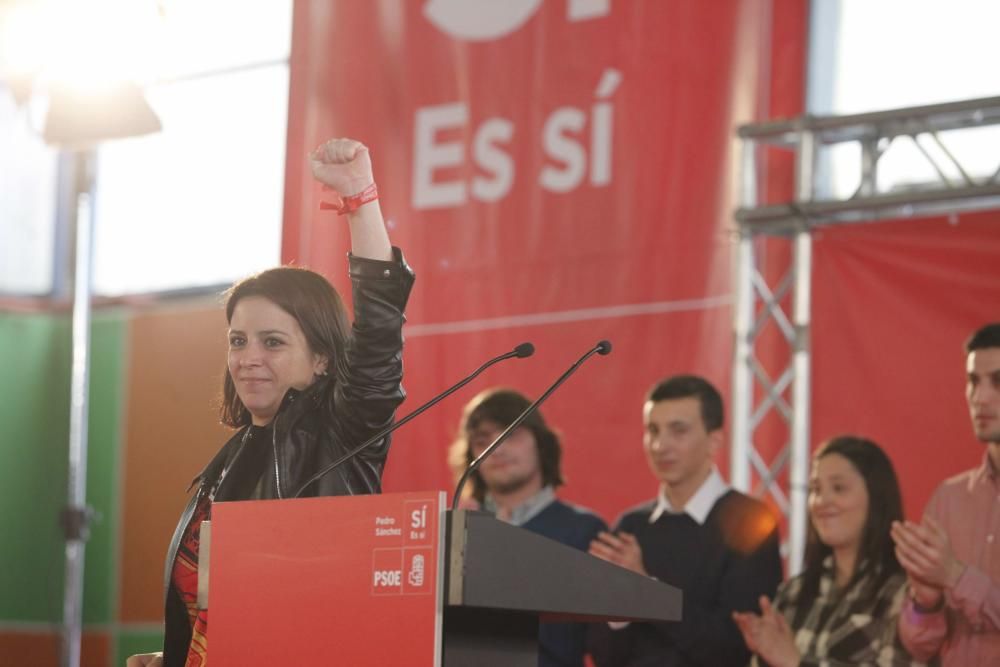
point(759, 305)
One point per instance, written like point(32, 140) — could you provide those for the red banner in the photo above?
point(556, 172)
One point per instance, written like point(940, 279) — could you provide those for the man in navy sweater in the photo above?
point(719, 546)
point(517, 483)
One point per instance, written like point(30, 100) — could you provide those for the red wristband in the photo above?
point(345, 205)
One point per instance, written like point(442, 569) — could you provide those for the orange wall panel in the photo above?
point(31, 649)
point(176, 365)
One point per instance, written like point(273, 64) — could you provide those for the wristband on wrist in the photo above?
point(920, 609)
point(345, 205)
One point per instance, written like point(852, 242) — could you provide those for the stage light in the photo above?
point(83, 61)
point(78, 119)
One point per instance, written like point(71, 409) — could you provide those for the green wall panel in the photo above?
point(131, 642)
point(34, 409)
point(107, 397)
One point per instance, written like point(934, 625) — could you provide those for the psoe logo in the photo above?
point(483, 20)
point(415, 577)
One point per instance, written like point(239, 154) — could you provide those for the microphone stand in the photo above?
point(521, 351)
point(602, 348)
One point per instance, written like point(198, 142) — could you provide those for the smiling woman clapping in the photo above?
point(842, 609)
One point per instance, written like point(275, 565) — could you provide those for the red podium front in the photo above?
point(359, 581)
point(355, 580)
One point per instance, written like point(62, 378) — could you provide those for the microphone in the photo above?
point(521, 351)
point(602, 348)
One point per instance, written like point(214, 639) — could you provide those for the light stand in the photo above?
point(76, 517)
point(77, 123)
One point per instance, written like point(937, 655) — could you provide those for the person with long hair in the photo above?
point(842, 608)
point(518, 483)
point(302, 387)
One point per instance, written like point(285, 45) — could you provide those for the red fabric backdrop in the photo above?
point(566, 181)
point(893, 305)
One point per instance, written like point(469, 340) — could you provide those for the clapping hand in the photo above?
point(768, 635)
point(924, 551)
point(621, 549)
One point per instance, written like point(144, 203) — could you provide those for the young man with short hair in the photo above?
point(719, 546)
point(952, 558)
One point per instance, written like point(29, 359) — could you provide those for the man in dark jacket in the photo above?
point(717, 545)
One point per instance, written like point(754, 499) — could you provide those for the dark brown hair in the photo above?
point(316, 306)
point(691, 386)
point(885, 505)
point(984, 337)
point(502, 406)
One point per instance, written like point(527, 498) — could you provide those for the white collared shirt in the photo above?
point(700, 504)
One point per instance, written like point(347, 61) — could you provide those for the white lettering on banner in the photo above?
point(490, 158)
point(418, 518)
point(583, 10)
point(428, 156)
point(562, 148)
point(483, 20)
point(562, 142)
point(601, 117)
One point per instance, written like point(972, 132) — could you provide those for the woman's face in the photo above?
point(268, 355)
point(838, 502)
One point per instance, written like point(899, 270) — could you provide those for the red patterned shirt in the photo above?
point(185, 580)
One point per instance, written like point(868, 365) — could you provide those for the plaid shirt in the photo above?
point(849, 628)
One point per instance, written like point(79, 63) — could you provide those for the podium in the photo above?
point(396, 580)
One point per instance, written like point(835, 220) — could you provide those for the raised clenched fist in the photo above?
point(343, 165)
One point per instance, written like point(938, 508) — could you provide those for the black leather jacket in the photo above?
point(306, 434)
